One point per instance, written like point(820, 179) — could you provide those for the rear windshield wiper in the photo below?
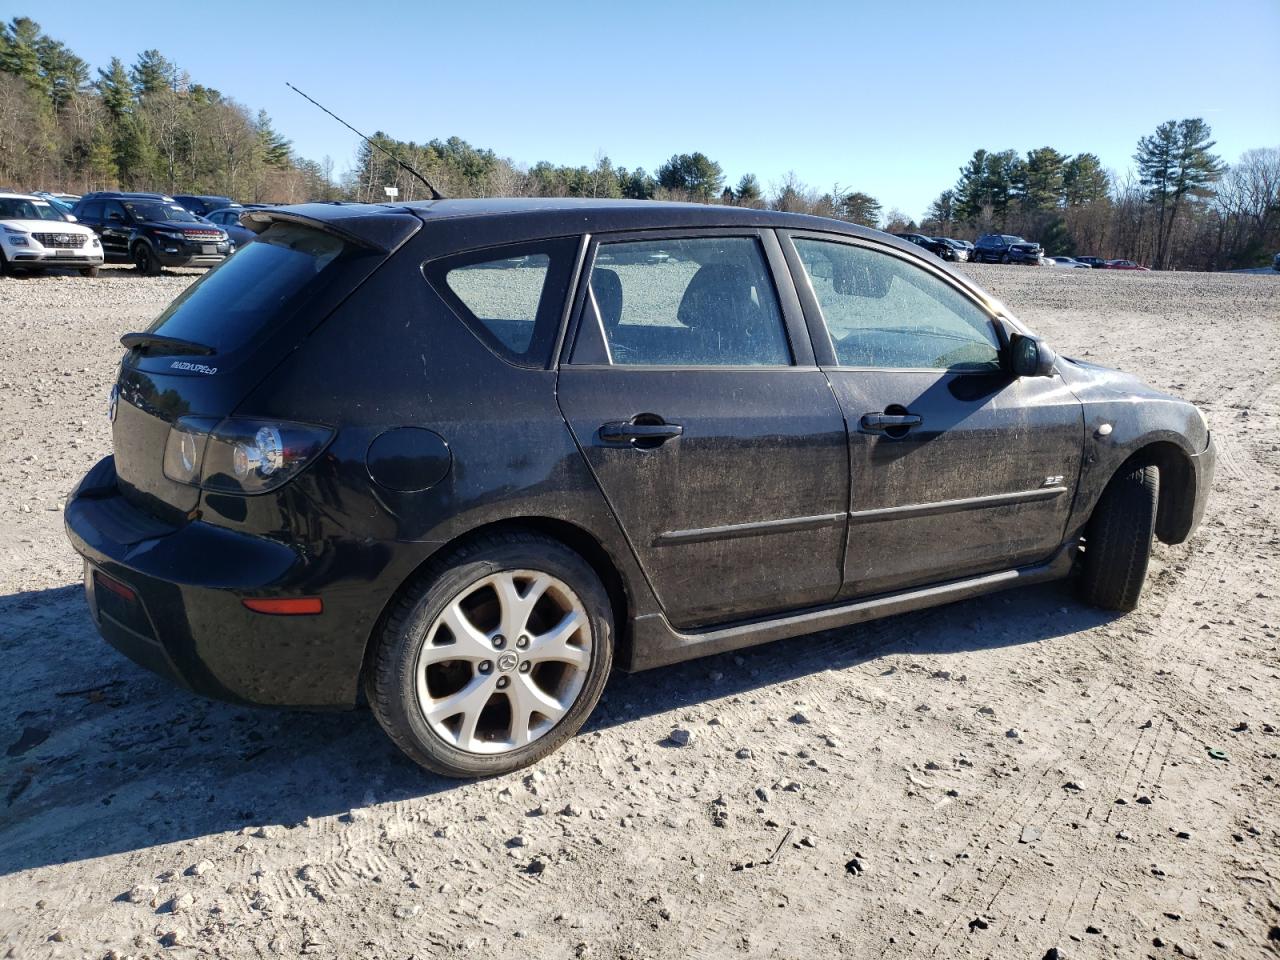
point(155, 343)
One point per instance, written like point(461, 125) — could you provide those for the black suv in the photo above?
point(204, 204)
point(1002, 248)
point(151, 231)
point(935, 245)
point(468, 454)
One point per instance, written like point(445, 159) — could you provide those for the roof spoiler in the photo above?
point(374, 228)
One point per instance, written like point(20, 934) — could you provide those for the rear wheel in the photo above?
point(494, 657)
point(144, 258)
point(1117, 544)
point(1004, 258)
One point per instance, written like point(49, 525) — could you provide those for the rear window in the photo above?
point(262, 284)
point(511, 298)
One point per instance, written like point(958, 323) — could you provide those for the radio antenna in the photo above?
point(435, 194)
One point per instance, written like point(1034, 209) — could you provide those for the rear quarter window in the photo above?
point(512, 297)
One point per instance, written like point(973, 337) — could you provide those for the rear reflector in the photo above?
point(293, 606)
point(115, 586)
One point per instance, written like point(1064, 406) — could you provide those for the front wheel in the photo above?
point(494, 657)
point(1004, 258)
point(145, 260)
point(1117, 541)
point(89, 271)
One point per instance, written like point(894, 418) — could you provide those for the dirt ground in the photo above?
point(1007, 777)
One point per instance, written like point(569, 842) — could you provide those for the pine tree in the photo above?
point(1175, 164)
point(747, 193)
point(276, 149)
point(692, 173)
point(115, 88)
point(19, 53)
point(152, 73)
point(860, 208)
point(1083, 180)
point(1039, 186)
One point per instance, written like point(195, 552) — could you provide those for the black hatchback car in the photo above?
point(151, 231)
point(469, 454)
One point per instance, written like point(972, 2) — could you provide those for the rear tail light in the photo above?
point(239, 455)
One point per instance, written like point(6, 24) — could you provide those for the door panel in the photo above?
point(985, 482)
point(715, 438)
point(957, 467)
point(744, 512)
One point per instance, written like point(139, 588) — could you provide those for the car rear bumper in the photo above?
point(170, 598)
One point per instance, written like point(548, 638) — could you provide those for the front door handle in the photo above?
point(641, 431)
point(890, 423)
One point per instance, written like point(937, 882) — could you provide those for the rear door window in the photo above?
point(511, 298)
point(696, 302)
point(262, 284)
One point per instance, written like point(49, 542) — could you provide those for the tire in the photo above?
point(144, 258)
point(1004, 258)
point(409, 671)
point(7, 269)
point(1117, 542)
point(89, 272)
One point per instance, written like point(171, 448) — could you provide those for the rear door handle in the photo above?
point(647, 433)
point(883, 422)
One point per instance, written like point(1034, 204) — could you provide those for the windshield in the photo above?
point(17, 208)
point(258, 287)
point(156, 210)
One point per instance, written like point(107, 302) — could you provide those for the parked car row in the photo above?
point(149, 230)
point(1004, 248)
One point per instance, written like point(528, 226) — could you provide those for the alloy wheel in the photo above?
point(504, 661)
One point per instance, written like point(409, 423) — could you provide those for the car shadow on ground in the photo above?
point(101, 757)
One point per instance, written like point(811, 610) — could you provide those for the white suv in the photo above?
point(34, 235)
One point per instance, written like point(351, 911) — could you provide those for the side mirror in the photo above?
point(1030, 357)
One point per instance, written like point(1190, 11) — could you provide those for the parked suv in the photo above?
point(151, 231)
point(935, 245)
point(470, 454)
point(203, 205)
point(34, 235)
point(1002, 248)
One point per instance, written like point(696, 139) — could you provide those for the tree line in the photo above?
point(149, 126)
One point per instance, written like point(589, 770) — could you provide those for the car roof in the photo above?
point(124, 195)
point(564, 216)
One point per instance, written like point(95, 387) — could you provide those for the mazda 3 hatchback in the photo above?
point(468, 455)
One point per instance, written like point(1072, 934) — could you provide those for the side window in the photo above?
point(114, 212)
point(92, 211)
point(887, 313)
point(510, 297)
point(703, 301)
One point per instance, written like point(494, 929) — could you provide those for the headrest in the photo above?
point(718, 296)
point(607, 287)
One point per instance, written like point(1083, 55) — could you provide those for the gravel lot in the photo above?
point(1000, 778)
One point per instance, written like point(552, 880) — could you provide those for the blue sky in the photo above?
point(885, 97)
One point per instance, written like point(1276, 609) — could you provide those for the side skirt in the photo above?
point(656, 643)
